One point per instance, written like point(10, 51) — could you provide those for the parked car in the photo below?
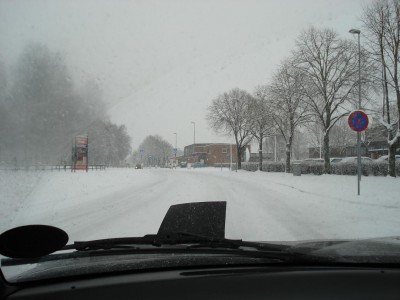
point(319, 160)
point(353, 159)
point(385, 158)
point(313, 160)
point(198, 165)
point(138, 166)
point(335, 160)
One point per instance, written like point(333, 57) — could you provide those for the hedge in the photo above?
point(349, 168)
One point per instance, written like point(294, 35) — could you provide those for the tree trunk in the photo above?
point(260, 158)
point(239, 157)
point(327, 162)
point(289, 144)
point(288, 157)
point(392, 160)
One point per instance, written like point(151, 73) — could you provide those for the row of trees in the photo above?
point(381, 22)
point(318, 85)
point(41, 110)
point(315, 84)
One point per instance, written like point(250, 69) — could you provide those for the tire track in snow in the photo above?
point(252, 217)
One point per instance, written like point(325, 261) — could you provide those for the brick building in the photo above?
point(210, 154)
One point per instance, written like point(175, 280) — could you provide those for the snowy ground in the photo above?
point(261, 206)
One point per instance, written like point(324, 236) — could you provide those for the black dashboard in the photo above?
point(225, 283)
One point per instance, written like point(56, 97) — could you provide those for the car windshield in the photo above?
point(112, 112)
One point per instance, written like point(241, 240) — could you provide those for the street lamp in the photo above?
point(194, 132)
point(358, 32)
point(176, 143)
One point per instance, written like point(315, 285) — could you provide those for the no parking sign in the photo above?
point(358, 120)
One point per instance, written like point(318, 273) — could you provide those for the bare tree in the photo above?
point(48, 111)
point(109, 143)
point(382, 26)
point(156, 150)
point(314, 135)
point(135, 158)
point(329, 68)
point(43, 104)
point(289, 108)
point(260, 120)
point(229, 114)
point(341, 136)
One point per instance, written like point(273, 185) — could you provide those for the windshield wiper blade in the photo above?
point(110, 243)
point(184, 239)
point(175, 243)
point(199, 241)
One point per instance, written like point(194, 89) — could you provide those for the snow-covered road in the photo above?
point(261, 206)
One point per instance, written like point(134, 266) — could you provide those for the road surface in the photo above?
point(260, 206)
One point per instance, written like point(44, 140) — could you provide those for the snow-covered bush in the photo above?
point(267, 166)
point(381, 168)
point(378, 169)
point(367, 169)
point(312, 168)
point(350, 168)
point(347, 168)
point(273, 167)
point(250, 166)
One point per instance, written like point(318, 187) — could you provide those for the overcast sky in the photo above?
point(160, 63)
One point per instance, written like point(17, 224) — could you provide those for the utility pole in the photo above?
point(194, 132)
point(176, 147)
point(231, 156)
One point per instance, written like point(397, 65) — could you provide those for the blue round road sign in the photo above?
point(358, 120)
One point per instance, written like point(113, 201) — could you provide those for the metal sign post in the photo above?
point(141, 156)
point(358, 121)
point(230, 165)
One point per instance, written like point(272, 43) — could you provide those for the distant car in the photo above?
point(353, 159)
point(335, 160)
point(313, 161)
point(385, 158)
point(138, 166)
point(198, 165)
point(319, 160)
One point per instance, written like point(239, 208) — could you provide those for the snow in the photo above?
point(260, 206)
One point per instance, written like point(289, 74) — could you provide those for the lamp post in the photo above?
point(194, 132)
point(358, 32)
point(176, 143)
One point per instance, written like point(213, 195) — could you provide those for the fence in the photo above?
point(48, 168)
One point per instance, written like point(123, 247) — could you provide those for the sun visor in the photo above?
point(200, 218)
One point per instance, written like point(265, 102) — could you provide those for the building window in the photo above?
point(224, 150)
point(209, 151)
